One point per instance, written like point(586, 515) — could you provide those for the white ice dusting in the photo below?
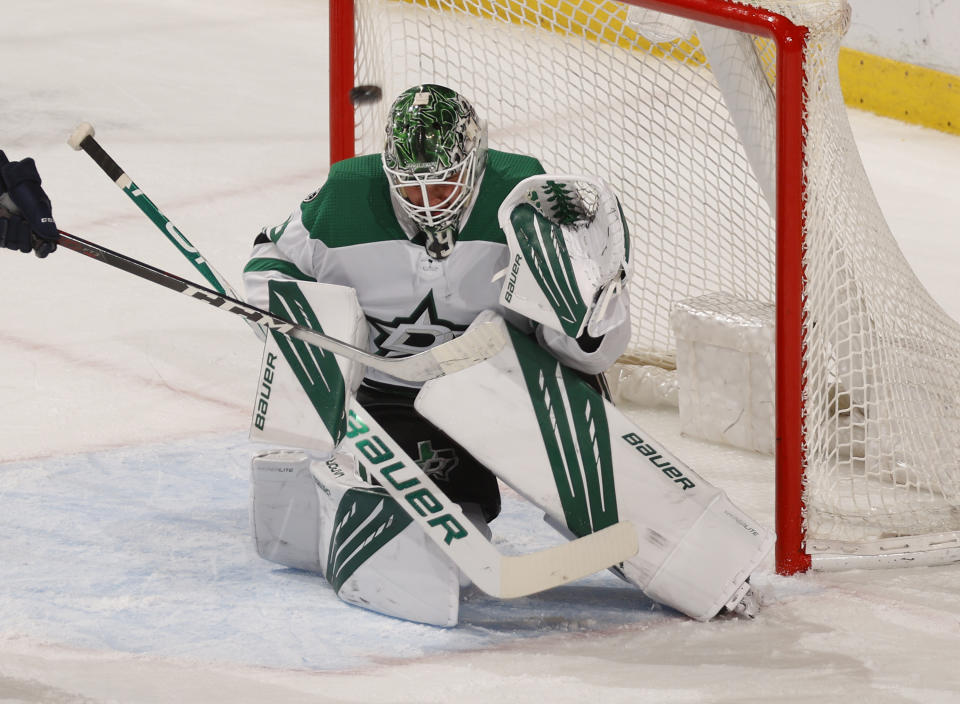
point(126, 570)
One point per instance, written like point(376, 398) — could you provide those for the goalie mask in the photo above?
point(434, 157)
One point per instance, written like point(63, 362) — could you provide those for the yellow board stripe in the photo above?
point(883, 86)
point(594, 20)
point(914, 94)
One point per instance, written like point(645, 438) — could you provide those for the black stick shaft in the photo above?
point(418, 367)
point(101, 158)
point(181, 285)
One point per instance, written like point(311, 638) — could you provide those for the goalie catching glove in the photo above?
point(569, 254)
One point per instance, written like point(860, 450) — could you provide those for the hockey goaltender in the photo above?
point(439, 319)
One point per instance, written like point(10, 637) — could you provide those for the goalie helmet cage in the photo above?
point(722, 127)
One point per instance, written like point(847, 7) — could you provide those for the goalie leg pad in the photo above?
point(284, 509)
point(566, 449)
point(710, 565)
point(375, 556)
point(318, 515)
point(302, 391)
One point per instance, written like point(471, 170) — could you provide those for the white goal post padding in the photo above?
point(685, 132)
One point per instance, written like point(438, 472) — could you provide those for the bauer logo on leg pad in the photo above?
point(658, 460)
point(266, 384)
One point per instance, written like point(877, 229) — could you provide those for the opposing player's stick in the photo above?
point(82, 138)
point(503, 576)
point(479, 342)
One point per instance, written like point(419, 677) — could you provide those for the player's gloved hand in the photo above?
point(15, 232)
point(26, 216)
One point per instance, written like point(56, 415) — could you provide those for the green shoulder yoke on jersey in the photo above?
point(353, 206)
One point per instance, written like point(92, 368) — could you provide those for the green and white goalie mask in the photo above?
point(434, 158)
point(569, 254)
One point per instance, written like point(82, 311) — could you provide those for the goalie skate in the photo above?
point(746, 601)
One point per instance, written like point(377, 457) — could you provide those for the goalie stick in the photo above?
point(476, 344)
point(499, 575)
point(82, 139)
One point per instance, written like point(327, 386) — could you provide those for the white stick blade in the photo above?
point(482, 340)
point(536, 572)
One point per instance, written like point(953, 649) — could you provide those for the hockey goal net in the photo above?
point(722, 127)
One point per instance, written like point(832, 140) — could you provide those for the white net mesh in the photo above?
point(684, 130)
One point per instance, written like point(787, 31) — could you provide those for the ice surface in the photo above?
point(126, 572)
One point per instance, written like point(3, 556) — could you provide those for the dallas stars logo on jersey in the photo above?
point(437, 464)
point(406, 335)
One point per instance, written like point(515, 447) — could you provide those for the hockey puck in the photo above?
point(360, 95)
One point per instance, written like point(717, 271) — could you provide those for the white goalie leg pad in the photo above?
point(566, 449)
point(708, 568)
point(374, 555)
point(284, 509)
point(318, 515)
point(302, 391)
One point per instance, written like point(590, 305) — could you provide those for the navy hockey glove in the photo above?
point(14, 231)
point(28, 221)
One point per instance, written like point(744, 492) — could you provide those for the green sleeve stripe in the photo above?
point(278, 265)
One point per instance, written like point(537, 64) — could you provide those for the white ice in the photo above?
point(126, 572)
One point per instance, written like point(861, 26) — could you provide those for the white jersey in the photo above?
point(348, 233)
